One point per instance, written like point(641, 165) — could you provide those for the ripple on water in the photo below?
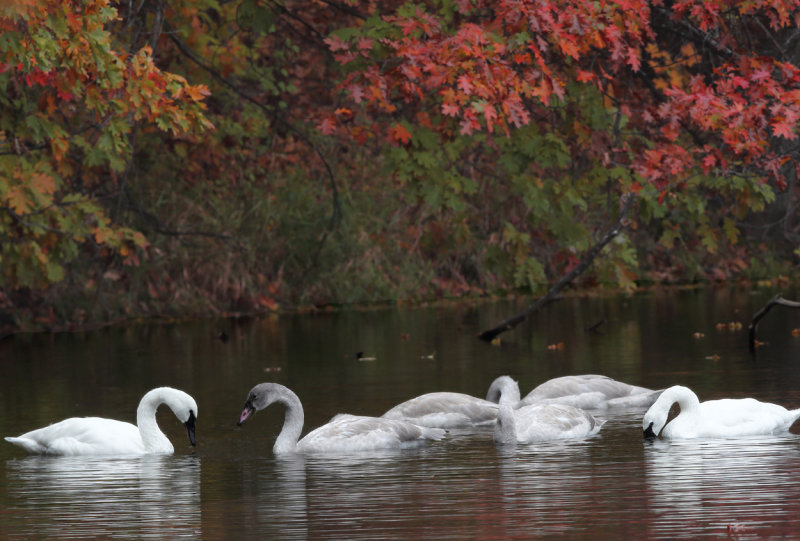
point(698, 487)
point(154, 497)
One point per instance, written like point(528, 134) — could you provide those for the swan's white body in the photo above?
point(725, 418)
point(98, 436)
point(455, 410)
point(592, 392)
point(342, 434)
point(543, 422)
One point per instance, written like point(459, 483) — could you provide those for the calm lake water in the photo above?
point(611, 486)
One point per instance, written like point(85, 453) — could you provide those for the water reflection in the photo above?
point(462, 487)
point(706, 486)
point(144, 497)
point(535, 492)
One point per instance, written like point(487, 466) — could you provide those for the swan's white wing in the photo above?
point(543, 422)
point(357, 433)
point(83, 436)
point(445, 410)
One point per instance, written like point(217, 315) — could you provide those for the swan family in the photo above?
point(560, 409)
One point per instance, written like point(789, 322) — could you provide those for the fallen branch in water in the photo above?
point(554, 292)
point(776, 300)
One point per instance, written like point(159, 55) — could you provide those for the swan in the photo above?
point(725, 418)
point(589, 391)
point(455, 410)
point(342, 433)
point(543, 422)
point(98, 436)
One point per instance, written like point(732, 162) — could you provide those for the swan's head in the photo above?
point(505, 428)
point(657, 416)
point(185, 409)
point(260, 396)
point(504, 389)
point(653, 421)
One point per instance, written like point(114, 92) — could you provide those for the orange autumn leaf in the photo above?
point(399, 134)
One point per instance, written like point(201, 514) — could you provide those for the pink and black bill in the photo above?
point(246, 413)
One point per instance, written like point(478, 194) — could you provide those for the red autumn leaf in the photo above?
point(490, 116)
point(357, 93)
point(633, 59)
point(522, 58)
point(450, 109)
point(740, 82)
point(781, 128)
point(327, 126)
point(335, 44)
point(465, 85)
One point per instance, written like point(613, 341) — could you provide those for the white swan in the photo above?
point(543, 422)
point(342, 433)
point(589, 391)
point(725, 418)
point(98, 436)
point(455, 410)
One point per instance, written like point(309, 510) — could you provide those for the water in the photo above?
point(611, 486)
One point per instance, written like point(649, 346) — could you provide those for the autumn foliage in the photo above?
point(240, 156)
point(70, 105)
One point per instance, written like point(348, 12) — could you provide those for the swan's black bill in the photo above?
point(189, 424)
point(648, 432)
point(246, 412)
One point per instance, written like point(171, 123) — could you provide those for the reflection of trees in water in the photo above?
point(150, 496)
point(699, 485)
point(453, 490)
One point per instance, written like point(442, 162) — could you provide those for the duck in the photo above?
point(543, 422)
point(100, 436)
point(343, 433)
point(589, 392)
point(723, 418)
point(444, 409)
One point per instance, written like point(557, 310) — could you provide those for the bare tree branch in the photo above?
point(554, 292)
point(777, 300)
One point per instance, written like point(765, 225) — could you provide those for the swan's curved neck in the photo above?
point(685, 398)
point(509, 394)
point(505, 430)
point(504, 390)
point(152, 437)
point(292, 423)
